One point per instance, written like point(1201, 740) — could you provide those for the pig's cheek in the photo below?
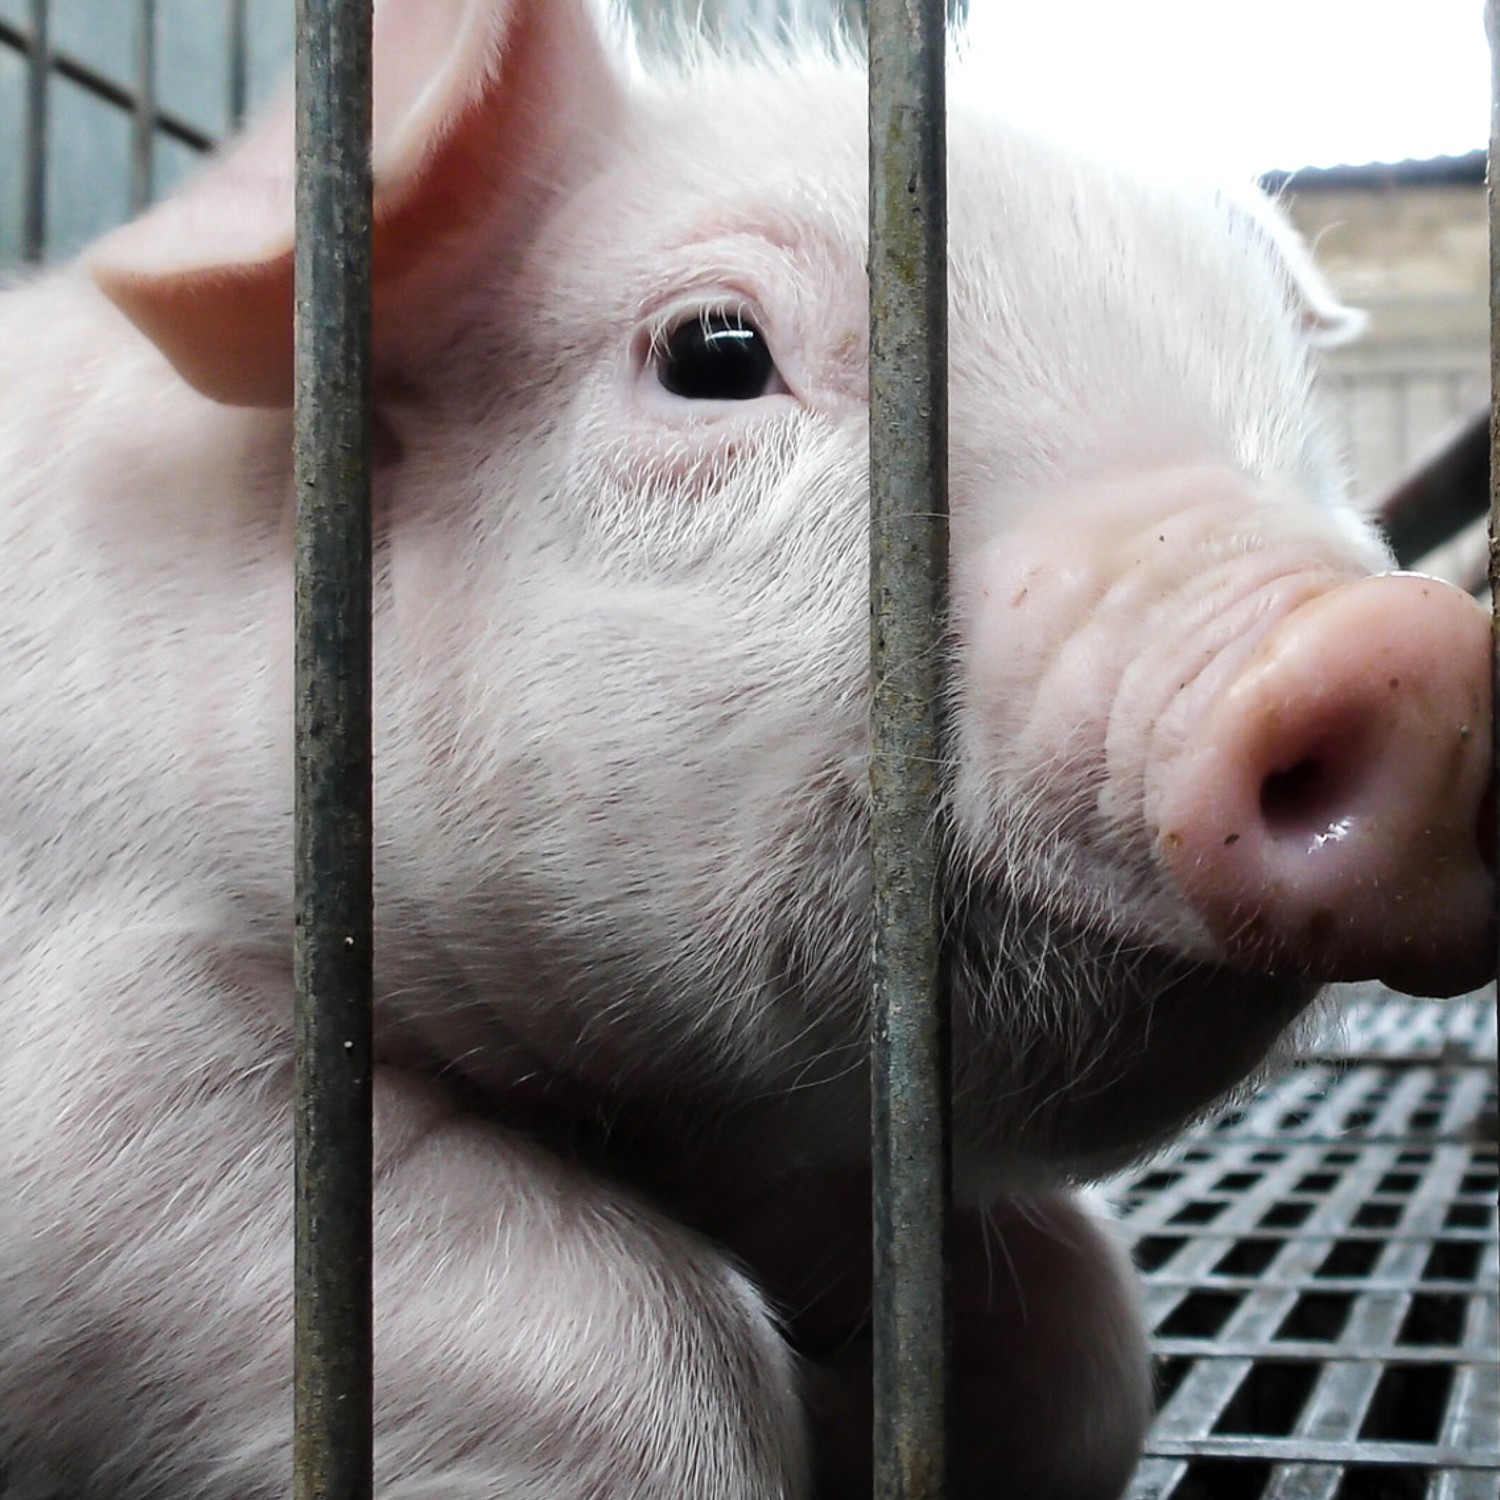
point(693, 456)
point(1040, 673)
point(1034, 688)
point(700, 469)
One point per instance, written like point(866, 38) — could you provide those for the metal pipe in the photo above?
point(334, 928)
point(38, 69)
point(908, 605)
point(143, 122)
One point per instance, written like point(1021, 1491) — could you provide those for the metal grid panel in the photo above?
point(1377, 1024)
point(1321, 1267)
point(112, 104)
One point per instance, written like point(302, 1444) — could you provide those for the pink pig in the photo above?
point(1201, 763)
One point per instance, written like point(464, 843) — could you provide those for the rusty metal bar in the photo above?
point(143, 124)
point(334, 927)
point(38, 69)
point(908, 605)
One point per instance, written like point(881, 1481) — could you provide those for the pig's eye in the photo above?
point(717, 356)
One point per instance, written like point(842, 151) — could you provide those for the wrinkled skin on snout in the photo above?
point(1205, 756)
point(1284, 781)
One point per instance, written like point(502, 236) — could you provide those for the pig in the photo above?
point(1205, 753)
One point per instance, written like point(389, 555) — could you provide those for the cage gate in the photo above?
point(1320, 1265)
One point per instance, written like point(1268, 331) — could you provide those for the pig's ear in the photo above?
point(482, 109)
point(1326, 321)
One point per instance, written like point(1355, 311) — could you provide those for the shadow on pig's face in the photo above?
point(1074, 1054)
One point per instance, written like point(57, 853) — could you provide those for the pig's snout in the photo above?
point(1331, 813)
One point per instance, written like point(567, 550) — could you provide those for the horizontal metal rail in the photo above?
point(1446, 490)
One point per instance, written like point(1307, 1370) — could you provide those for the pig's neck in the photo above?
point(147, 683)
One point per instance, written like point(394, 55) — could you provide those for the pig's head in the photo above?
point(1200, 761)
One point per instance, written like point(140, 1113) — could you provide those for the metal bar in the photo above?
point(239, 70)
point(908, 604)
point(34, 207)
point(334, 928)
point(1492, 28)
point(65, 65)
point(1446, 490)
point(143, 128)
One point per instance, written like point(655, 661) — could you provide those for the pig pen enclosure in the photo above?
point(1321, 1263)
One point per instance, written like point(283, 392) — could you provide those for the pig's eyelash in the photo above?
point(717, 352)
point(680, 315)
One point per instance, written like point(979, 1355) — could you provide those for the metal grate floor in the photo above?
point(1321, 1272)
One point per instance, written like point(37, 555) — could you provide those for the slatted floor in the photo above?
point(1321, 1275)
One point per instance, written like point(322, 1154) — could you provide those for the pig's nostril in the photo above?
point(1314, 798)
point(1332, 816)
point(1295, 801)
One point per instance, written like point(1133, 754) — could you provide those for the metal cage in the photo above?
point(1320, 1264)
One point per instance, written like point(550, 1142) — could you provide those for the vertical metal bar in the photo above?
point(1492, 188)
point(239, 71)
point(908, 604)
point(143, 122)
point(38, 71)
point(333, 936)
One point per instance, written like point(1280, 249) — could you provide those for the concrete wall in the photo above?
point(1409, 244)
